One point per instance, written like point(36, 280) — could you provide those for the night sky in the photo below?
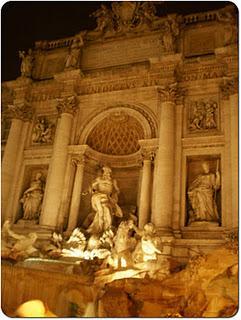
point(24, 22)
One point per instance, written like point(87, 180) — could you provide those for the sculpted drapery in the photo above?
point(202, 196)
point(104, 202)
point(32, 199)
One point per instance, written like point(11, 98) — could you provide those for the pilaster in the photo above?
point(229, 90)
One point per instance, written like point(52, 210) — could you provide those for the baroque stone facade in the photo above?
point(153, 98)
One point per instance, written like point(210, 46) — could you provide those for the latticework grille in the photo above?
point(117, 134)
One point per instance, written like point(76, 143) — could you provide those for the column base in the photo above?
point(165, 231)
point(167, 240)
point(203, 231)
point(27, 223)
point(43, 232)
point(177, 234)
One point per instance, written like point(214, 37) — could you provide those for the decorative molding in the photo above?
point(67, 75)
point(53, 44)
point(38, 153)
point(126, 161)
point(148, 149)
point(78, 161)
point(229, 87)
point(67, 105)
point(199, 17)
point(88, 86)
point(146, 118)
point(22, 111)
point(106, 80)
point(201, 142)
point(46, 91)
point(171, 93)
point(148, 154)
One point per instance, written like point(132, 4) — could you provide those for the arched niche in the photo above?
point(111, 137)
point(143, 117)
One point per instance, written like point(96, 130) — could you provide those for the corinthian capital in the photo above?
point(22, 111)
point(229, 87)
point(148, 154)
point(80, 160)
point(67, 105)
point(171, 92)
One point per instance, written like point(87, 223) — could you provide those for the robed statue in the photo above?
point(32, 198)
point(202, 195)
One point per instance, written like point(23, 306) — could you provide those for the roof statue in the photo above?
point(124, 17)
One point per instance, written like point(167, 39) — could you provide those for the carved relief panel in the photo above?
point(203, 191)
point(43, 131)
point(202, 115)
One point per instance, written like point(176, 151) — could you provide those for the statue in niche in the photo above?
point(27, 63)
point(32, 198)
point(43, 132)
point(202, 195)
point(104, 200)
point(73, 57)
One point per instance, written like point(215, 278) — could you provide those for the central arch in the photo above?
point(137, 116)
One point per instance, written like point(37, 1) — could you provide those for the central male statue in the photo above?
point(104, 202)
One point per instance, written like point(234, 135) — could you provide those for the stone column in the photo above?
point(20, 113)
point(67, 107)
point(164, 178)
point(177, 200)
point(146, 188)
point(229, 91)
point(234, 157)
point(76, 195)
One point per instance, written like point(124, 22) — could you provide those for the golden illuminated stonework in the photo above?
point(117, 134)
point(120, 165)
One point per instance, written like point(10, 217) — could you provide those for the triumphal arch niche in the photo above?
point(153, 99)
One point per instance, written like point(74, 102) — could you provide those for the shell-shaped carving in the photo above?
point(117, 134)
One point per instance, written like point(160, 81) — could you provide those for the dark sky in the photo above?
point(24, 22)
